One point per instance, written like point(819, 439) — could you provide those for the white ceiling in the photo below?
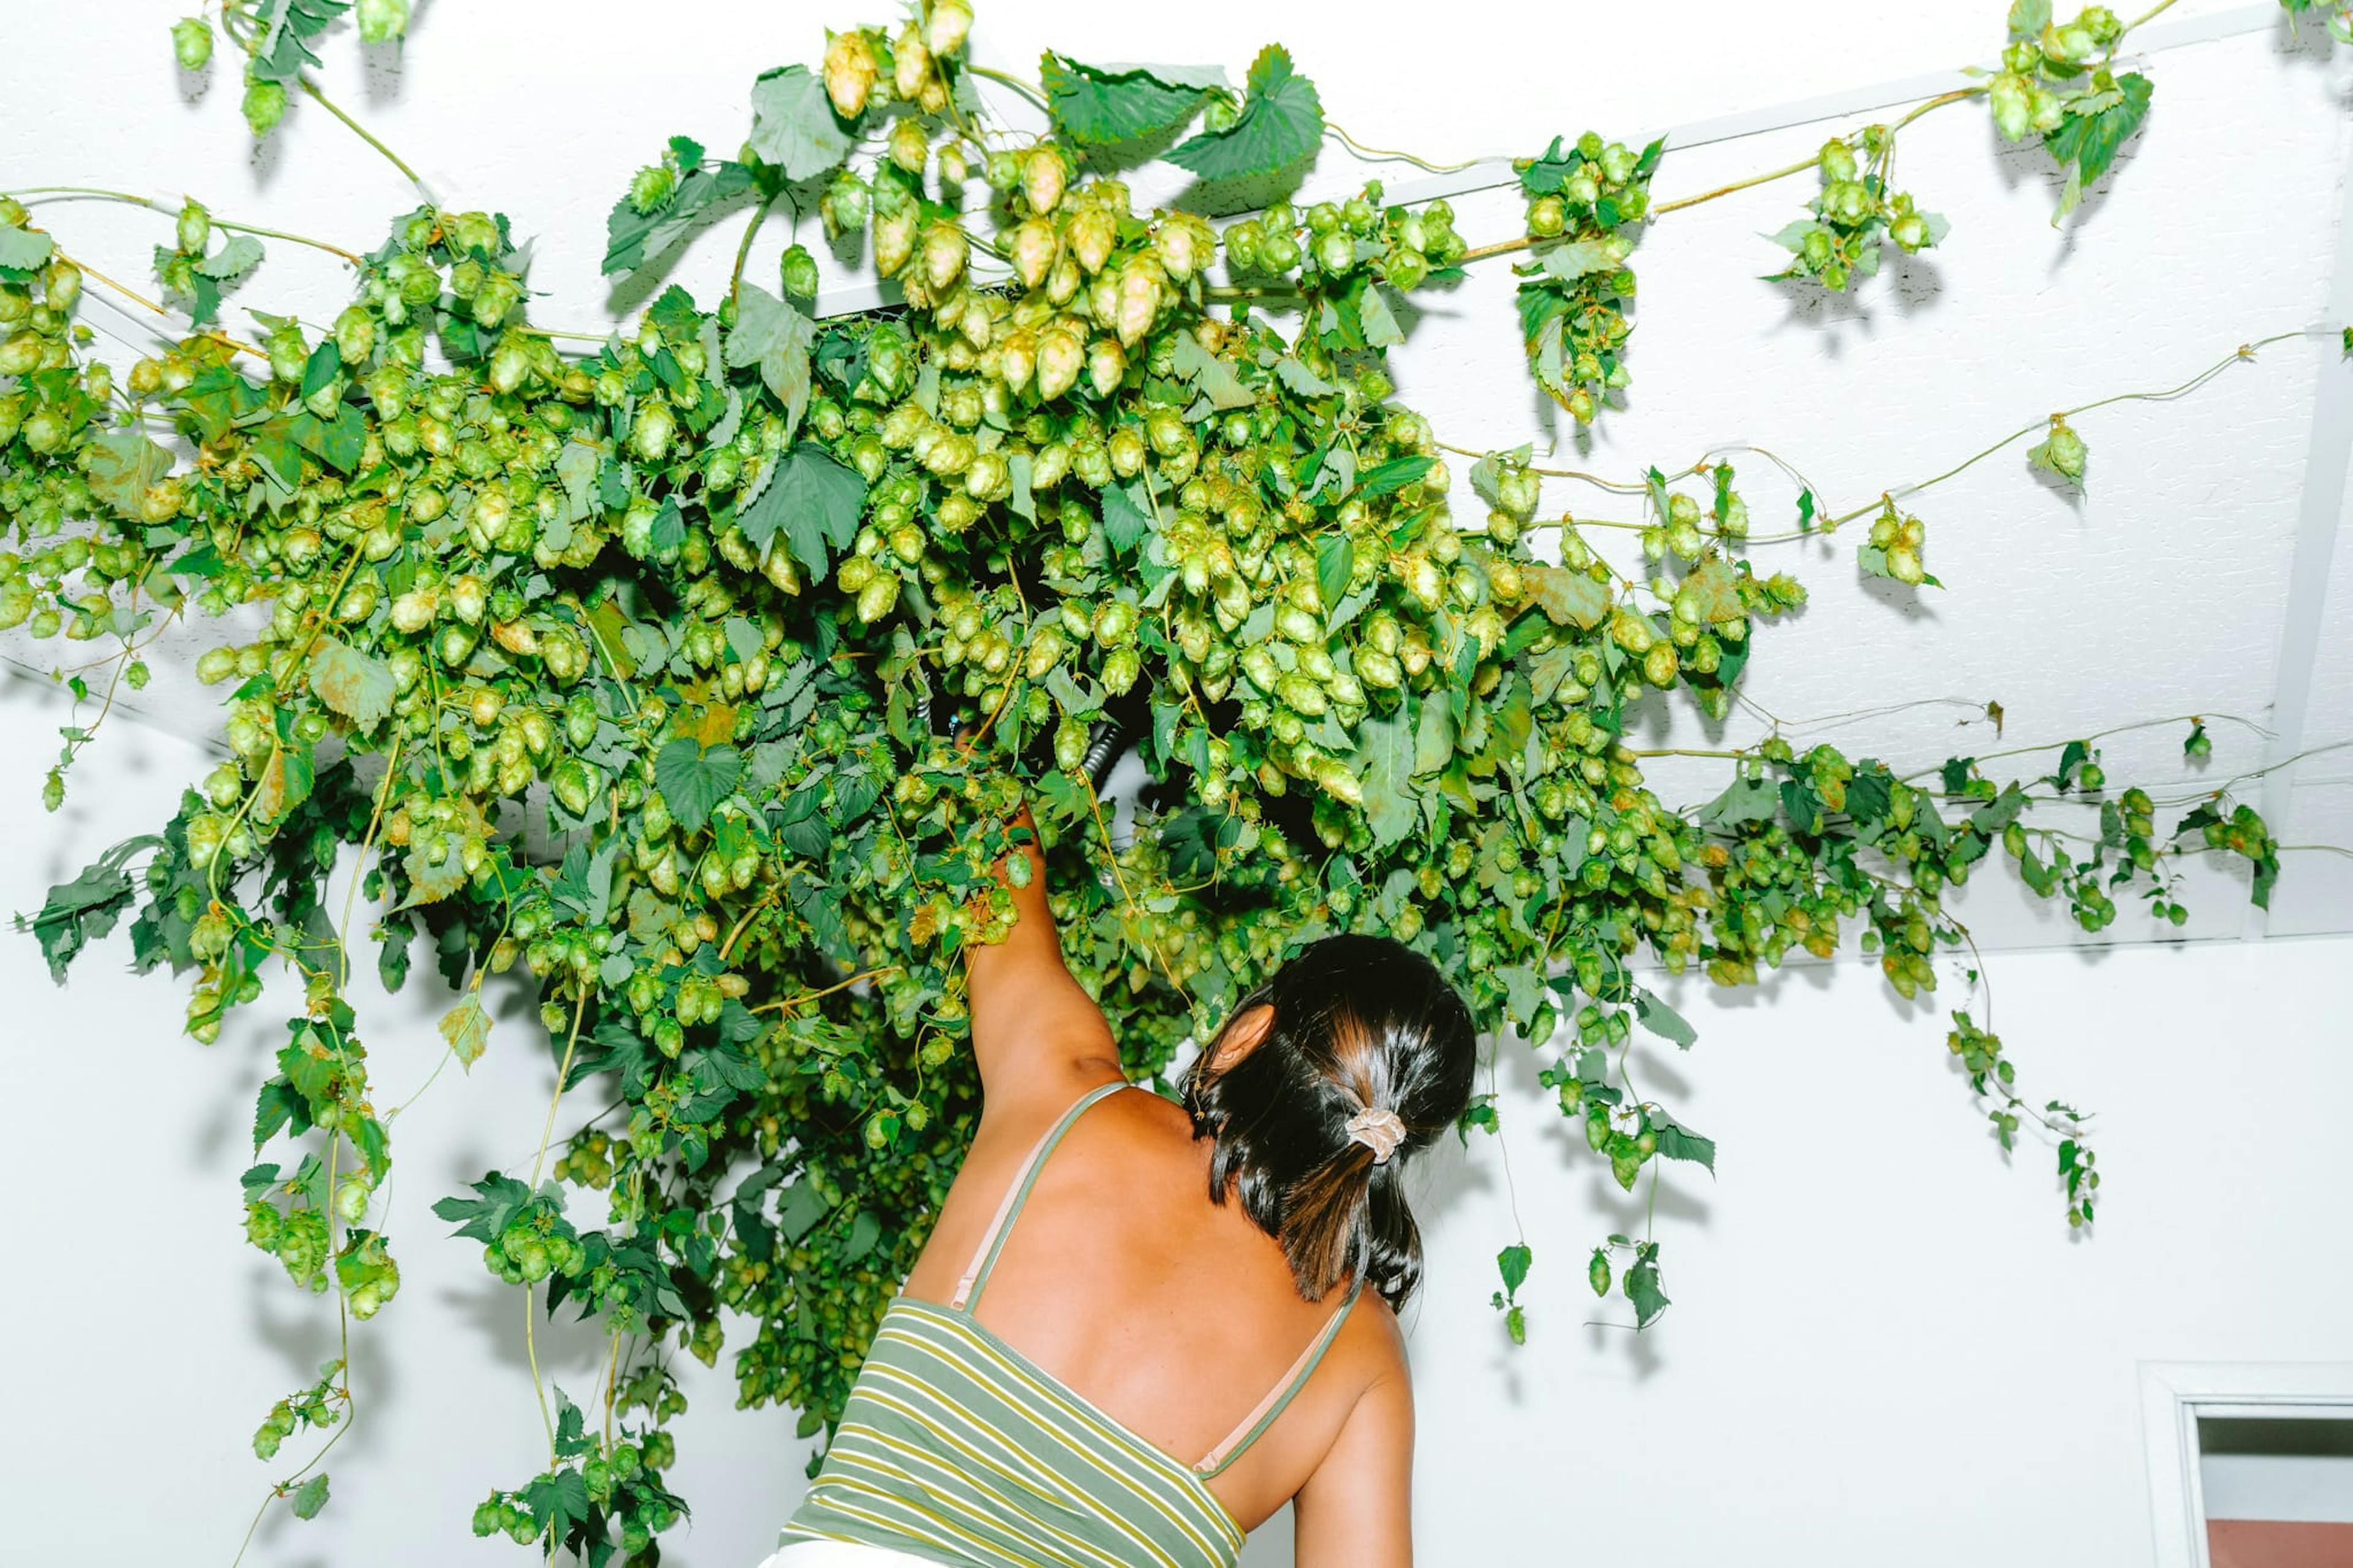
point(2163, 591)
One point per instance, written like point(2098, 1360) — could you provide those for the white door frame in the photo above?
point(2174, 1394)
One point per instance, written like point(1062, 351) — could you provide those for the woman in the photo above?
point(1175, 1338)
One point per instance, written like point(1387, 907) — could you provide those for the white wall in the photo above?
point(1885, 1345)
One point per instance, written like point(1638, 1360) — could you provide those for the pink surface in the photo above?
point(2278, 1543)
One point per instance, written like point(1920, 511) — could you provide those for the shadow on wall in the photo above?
point(73, 835)
point(1461, 1176)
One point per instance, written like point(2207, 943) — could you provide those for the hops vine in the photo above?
point(775, 617)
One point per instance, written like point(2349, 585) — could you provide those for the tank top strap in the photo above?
point(1256, 1423)
point(984, 1256)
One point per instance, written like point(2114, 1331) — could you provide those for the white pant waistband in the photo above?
point(842, 1554)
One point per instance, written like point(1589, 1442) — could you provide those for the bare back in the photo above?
point(1175, 1316)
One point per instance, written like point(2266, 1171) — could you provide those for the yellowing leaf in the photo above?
point(122, 465)
point(1714, 589)
point(285, 783)
point(1570, 598)
point(429, 880)
point(467, 1028)
point(717, 725)
point(356, 685)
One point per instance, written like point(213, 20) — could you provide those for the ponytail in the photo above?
point(1368, 1058)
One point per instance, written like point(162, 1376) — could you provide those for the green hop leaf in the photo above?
point(1577, 259)
point(287, 28)
point(1380, 323)
point(1642, 1288)
point(1306, 383)
point(1679, 1143)
point(1336, 561)
point(1384, 478)
point(1384, 763)
point(79, 911)
point(817, 502)
point(2086, 144)
point(775, 336)
point(1513, 1264)
point(1744, 801)
point(22, 249)
point(1125, 519)
point(1662, 1020)
point(1101, 106)
point(694, 781)
point(794, 126)
point(1280, 123)
point(240, 255)
point(1213, 377)
point(310, 1497)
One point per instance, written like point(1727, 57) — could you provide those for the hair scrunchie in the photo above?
point(1379, 1131)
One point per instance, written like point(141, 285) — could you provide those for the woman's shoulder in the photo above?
point(1028, 1115)
point(1370, 1345)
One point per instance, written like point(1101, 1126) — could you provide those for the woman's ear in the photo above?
point(1242, 1036)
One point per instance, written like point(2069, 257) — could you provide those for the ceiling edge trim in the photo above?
point(2326, 458)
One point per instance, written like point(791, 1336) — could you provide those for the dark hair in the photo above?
point(1360, 1022)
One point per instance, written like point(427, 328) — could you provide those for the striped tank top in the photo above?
point(957, 1448)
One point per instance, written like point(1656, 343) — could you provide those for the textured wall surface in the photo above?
point(1886, 1343)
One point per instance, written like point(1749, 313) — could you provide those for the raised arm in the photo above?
point(1039, 1038)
